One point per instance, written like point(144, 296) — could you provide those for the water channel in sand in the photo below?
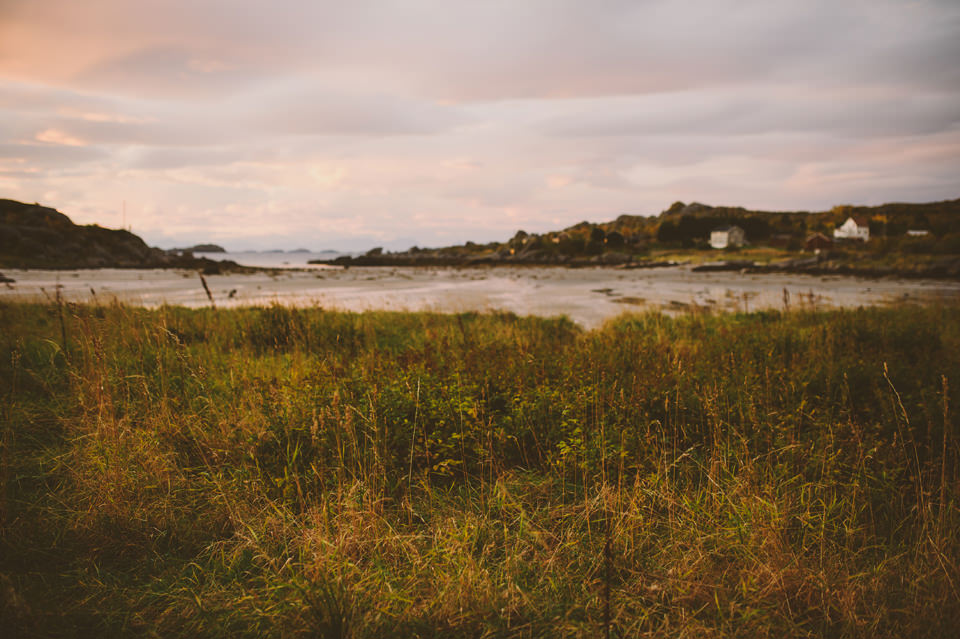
point(588, 296)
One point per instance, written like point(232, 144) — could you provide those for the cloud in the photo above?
point(375, 119)
point(486, 51)
point(167, 72)
point(55, 136)
point(302, 108)
point(757, 110)
point(47, 157)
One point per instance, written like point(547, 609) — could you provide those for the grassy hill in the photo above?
point(35, 236)
point(686, 228)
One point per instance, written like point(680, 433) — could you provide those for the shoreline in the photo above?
point(945, 269)
point(588, 296)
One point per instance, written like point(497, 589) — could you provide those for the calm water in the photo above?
point(272, 259)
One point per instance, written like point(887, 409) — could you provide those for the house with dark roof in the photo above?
point(816, 242)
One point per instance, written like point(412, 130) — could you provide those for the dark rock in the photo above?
point(732, 265)
point(615, 258)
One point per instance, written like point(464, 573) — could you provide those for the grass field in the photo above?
point(275, 472)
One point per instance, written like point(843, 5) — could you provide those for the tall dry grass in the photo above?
point(289, 472)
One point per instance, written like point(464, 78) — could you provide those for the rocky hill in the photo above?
point(637, 241)
point(35, 236)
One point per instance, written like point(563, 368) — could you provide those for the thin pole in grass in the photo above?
point(413, 440)
point(207, 290)
point(63, 327)
point(607, 560)
point(605, 493)
point(943, 461)
point(463, 455)
point(918, 479)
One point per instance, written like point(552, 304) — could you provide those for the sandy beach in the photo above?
point(587, 296)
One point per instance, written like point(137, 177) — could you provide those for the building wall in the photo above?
point(851, 231)
point(719, 239)
point(734, 236)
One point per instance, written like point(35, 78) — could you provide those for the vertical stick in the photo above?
point(918, 480)
point(943, 460)
point(63, 328)
point(463, 454)
point(207, 289)
point(606, 578)
point(413, 439)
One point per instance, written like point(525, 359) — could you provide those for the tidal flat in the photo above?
point(588, 296)
point(300, 472)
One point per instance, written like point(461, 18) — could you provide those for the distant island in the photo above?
point(33, 236)
point(200, 248)
point(909, 240)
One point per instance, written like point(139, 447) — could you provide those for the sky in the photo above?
point(347, 125)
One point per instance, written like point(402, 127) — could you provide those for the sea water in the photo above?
point(274, 259)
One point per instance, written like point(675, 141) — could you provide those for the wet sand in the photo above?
point(588, 296)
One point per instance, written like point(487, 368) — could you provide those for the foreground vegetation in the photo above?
point(281, 472)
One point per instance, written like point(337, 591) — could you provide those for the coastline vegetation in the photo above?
point(905, 240)
point(280, 472)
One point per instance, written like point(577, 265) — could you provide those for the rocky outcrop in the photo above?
point(945, 268)
point(200, 248)
point(35, 236)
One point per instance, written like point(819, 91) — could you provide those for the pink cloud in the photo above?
point(54, 136)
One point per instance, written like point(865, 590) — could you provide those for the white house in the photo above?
point(853, 229)
point(727, 236)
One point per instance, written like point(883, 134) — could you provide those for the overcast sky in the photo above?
point(347, 125)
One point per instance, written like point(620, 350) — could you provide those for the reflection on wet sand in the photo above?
point(588, 296)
